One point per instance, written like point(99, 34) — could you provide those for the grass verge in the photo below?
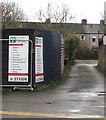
point(64, 76)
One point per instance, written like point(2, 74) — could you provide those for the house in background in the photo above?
point(91, 33)
point(87, 33)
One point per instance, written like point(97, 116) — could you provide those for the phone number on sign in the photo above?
point(18, 79)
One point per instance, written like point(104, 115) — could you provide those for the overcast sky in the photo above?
point(82, 9)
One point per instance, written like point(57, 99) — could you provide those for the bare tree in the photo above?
point(102, 14)
point(65, 13)
point(49, 10)
point(60, 14)
point(11, 14)
point(56, 15)
point(40, 15)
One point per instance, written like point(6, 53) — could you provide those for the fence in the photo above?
point(28, 62)
point(17, 61)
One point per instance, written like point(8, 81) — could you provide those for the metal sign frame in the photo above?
point(29, 61)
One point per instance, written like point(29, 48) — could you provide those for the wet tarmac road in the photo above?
point(79, 96)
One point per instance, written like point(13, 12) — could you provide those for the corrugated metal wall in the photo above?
point(52, 56)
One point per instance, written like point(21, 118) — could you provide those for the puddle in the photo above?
point(48, 103)
point(76, 76)
point(78, 93)
point(74, 110)
point(73, 77)
point(99, 106)
point(101, 94)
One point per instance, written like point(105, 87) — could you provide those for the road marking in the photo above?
point(46, 115)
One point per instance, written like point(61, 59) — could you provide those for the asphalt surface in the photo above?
point(80, 96)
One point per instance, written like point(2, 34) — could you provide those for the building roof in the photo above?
point(82, 29)
point(94, 28)
point(76, 28)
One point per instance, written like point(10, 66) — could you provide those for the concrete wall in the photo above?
point(102, 57)
point(105, 59)
point(105, 12)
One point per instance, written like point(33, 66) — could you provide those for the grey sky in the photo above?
point(82, 9)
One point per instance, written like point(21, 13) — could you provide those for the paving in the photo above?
point(80, 96)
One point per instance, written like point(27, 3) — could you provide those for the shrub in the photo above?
point(71, 43)
point(84, 53)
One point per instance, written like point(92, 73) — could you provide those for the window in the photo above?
point(94, 39)
point(82, 37)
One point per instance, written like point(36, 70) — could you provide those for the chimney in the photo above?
point(101, 22)
point(48, 21)
point(84, 21)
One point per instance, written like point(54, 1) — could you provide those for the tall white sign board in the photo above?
point(39, 72)
point(18, 59)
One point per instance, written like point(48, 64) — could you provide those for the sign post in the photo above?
point(39, 72)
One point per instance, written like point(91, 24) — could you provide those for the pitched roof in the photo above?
point(85, 29)
point(93, 28)
point(76, 28)
point(80, 28)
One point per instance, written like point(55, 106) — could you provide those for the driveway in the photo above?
point(80, 96)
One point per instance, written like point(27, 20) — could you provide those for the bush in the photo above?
point(84, 53)
point(71, 43)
